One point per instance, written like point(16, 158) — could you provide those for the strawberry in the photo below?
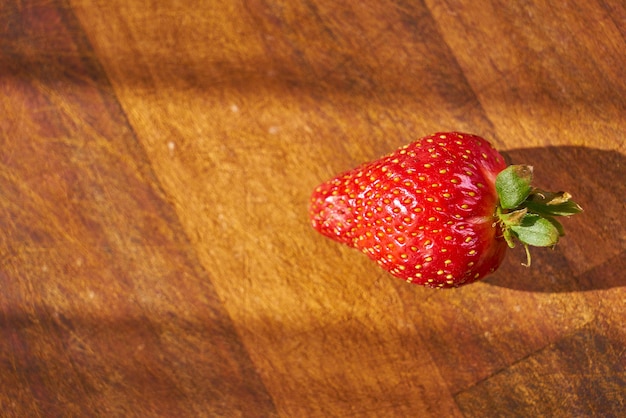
point(439, 212)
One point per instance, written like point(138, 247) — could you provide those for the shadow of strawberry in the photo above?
point(592, 255)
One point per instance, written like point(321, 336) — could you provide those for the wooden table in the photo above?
point(156, 164)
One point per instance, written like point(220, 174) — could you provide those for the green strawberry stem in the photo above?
point(528, 214)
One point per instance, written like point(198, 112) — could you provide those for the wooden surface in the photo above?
point(156, 164)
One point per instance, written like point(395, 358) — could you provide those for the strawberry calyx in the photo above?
point(526, 213)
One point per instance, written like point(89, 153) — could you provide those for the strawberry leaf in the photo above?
point(557, 225)
point(513, 218)
point(537, 231)
point(513, 185)
point(508, 237)
point(552, 204)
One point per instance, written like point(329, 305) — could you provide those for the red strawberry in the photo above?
point(440, 211)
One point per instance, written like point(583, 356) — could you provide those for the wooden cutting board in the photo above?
point(156, 164)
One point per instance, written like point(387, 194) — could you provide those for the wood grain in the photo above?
point(104, 309)
point(156, 166)
point(555, 380)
